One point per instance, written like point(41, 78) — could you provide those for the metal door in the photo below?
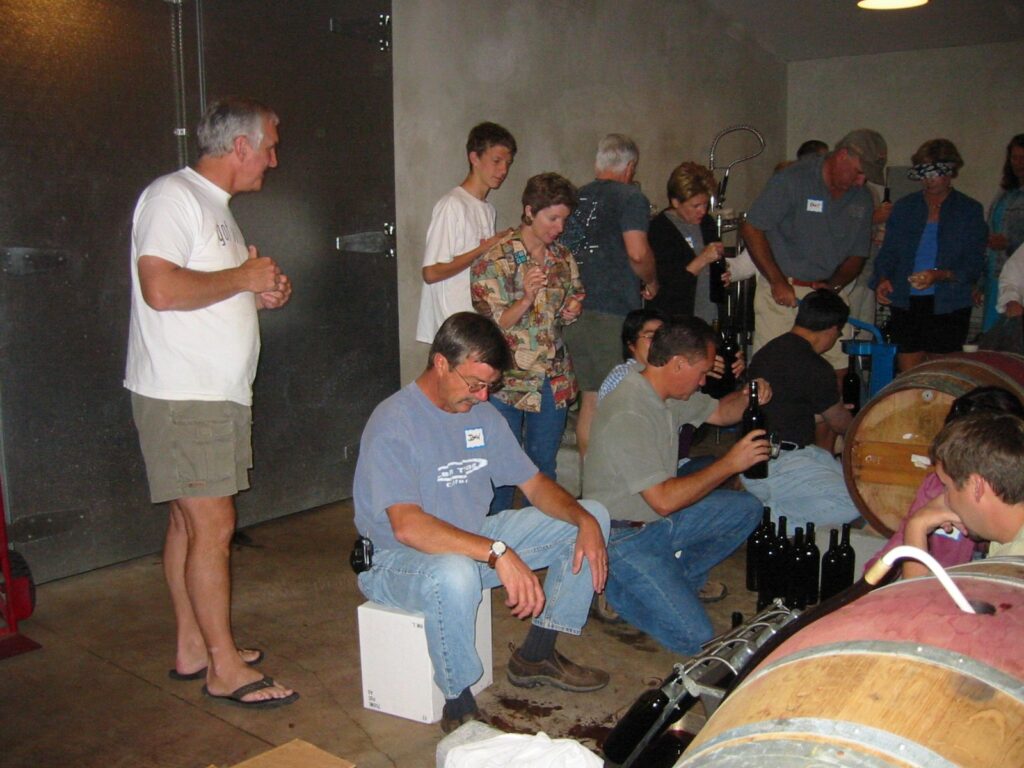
point(96, 94)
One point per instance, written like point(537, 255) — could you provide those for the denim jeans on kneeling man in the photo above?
point(654, 572)
point(446, 588)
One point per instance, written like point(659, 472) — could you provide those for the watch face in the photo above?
point(498, 548)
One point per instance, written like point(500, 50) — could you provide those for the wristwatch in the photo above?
point(498, 548)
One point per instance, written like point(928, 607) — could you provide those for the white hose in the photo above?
point(921, 556)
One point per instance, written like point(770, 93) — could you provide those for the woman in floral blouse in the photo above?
point(530, 286)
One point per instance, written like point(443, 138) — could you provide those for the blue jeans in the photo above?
point(655, 571)
point(543, 436)
point(446, 588)
point(805, 485)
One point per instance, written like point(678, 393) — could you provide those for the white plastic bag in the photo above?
point(523, 751)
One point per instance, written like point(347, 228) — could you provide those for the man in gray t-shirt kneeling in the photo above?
point(429, 459)
point(668, 531)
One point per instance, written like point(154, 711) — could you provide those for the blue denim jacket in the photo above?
point(962, 237)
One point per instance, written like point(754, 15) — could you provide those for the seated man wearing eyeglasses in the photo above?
point(428, 461)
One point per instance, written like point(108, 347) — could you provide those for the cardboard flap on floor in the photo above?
point(294, 754)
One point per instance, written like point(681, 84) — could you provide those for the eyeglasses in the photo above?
point(476, 386)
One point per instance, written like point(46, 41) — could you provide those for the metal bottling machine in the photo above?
point(737, 311)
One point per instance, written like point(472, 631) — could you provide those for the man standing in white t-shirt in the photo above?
point(462, 228)
point(193, 344)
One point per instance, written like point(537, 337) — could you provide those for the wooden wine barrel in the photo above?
point(900, 677)
point(900, 422)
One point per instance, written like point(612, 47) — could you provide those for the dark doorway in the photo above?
point(95, 95)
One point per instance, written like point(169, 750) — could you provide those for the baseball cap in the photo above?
point(870, 147)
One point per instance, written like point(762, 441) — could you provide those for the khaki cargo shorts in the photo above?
point(194, 448)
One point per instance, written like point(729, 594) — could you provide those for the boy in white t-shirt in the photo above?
point(462, 228)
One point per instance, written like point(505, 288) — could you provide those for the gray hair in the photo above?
point(228, 118)
point(615, 151)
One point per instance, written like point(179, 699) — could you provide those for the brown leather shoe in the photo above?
point(557, 671)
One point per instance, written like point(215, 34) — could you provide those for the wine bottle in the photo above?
point(847, 558)
point(753, 418)
point(727, 348)
point(755, 544)
point(812, 562)
point(851, 385)
point(665, 752)
point(716, 273)
point(796, 573)
point(786, 554)
point(831, 568)
point(643, 717)
point(767, 577)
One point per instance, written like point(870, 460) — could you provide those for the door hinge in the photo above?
point(376, 31)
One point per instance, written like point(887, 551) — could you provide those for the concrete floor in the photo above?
point(97, 694)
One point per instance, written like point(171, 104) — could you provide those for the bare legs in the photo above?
point(196, 564)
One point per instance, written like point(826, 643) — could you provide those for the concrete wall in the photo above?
point(971, 95)
point(560, 74)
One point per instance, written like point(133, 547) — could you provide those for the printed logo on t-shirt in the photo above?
point(457, 472)
point(815, 206)
point(223, 233)
point(475, 437)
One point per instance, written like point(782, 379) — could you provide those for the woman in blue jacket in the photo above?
point(930, 260)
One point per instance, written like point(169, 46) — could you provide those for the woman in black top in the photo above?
point(685, 242)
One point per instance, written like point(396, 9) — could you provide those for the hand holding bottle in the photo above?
point(753, 448)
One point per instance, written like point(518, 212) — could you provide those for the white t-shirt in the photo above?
point(1011, 280)
point(457, 225)
point(201, 354)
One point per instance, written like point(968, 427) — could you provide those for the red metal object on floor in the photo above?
point(12, 598)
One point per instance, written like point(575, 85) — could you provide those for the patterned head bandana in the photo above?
point(930, 171)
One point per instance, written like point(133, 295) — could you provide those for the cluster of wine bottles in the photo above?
point(794, 570)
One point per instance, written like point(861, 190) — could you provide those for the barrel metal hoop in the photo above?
point(929, 654)
point(842, 749)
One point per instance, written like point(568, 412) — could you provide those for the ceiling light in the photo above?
point(889, 5)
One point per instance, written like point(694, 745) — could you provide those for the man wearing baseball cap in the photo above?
point(811, 228)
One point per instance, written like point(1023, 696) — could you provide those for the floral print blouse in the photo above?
point(496, 280)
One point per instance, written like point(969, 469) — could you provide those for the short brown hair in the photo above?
point(467, 334)
point(987, 444)
point(687, 337)
point(939, 151)
point(547, 189)
point(688, 180)
point(486, 135)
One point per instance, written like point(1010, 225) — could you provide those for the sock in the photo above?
point(461, 705)
point(539, 644)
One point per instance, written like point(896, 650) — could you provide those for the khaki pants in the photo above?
point(772, 320)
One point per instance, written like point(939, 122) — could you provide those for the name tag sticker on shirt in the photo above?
point(475, 437)
point(815, 206)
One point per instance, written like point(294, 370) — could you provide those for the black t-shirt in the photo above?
point(803, 384)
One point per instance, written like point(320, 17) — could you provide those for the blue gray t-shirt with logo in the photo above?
point(811, 233)
point(412, 452)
